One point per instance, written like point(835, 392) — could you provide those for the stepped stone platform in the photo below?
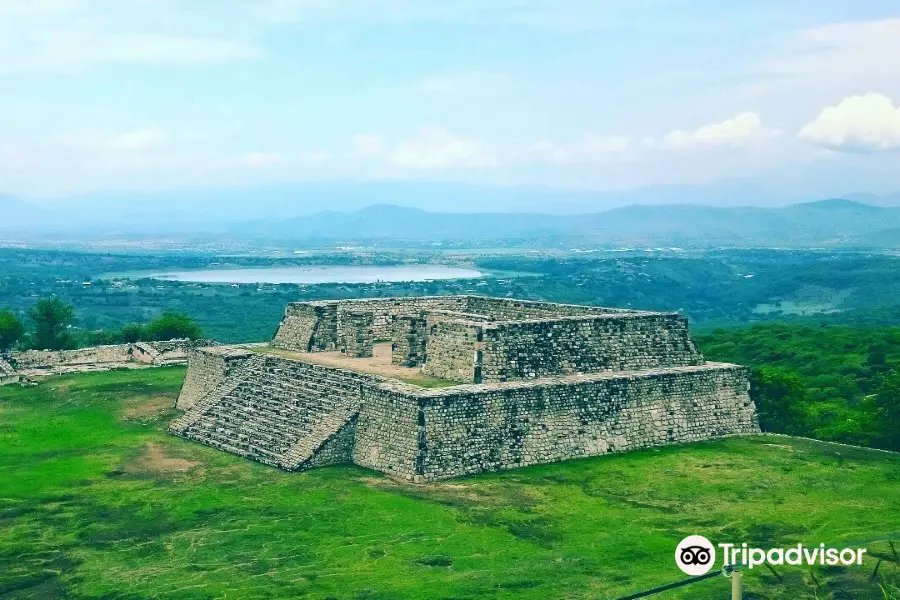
point(521, 383)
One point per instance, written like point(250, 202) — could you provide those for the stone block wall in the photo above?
point(452, 348)
point(409, 336)
point(208, 368)
point(613, 342)
point(46, 359)
point(314, 326)
point(385, 309)
point(388, 432)
point(338, 449)
point(507, 426)
point(356, 334)
point(300, 328)
point(509, 309)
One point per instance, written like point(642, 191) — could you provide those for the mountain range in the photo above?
point(273, 215)
point(835, 222)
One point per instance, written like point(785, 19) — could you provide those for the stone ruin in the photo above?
point(27, 365)
point(428, 388)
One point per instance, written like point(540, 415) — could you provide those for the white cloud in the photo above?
point(135, 141)
point(138, 140)
point(591, 150)
point(533, 14)
point(845, 51)
point(436, 147)
point(734, 132)
point(600, 146)
point(368, 144)
point(792, 73)
point(13, 158)
point(869, 123)
point(261, 159)
point(69, 35)
point(547, 151)
point(463, 82)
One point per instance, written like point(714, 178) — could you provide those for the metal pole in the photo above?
point(736, 578)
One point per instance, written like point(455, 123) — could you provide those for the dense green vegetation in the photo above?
point(831, 383)
point(99, 502)
point(715, 288)
point(52, 329)
point(11, 330)
point(52, 319)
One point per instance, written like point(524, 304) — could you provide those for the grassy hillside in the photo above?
point(98, 501)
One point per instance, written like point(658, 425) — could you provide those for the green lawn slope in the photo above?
point(97, 501)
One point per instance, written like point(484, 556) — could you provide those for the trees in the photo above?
point(171, 325)
point(779, 396)
point(133, 332)
point(52, 318)
point(11, 330)
point(887, 411)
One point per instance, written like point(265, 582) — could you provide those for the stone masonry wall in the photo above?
point(513, 425)
point(168, 352)
point(338, 449)
point(508, 309)
point(409, 335)
point(319, 322)
point(626, 342)
point(45, 359)
point(207, 369)
point(298, 326)
point(388, 432)
point(297, 416)
point(452, 349)
point(356, 334)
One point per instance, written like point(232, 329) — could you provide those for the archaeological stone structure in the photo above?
point(428, 388)
point(26, 365)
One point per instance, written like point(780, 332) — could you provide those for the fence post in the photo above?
point(736, 578)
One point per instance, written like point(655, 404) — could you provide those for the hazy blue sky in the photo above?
point(109, 94)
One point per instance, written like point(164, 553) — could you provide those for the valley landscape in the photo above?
point(471, 300)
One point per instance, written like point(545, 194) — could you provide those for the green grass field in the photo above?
point(97, 501)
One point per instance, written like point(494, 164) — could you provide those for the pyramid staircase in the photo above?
point(277, 411)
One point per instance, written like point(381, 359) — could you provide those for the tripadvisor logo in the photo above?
point(696, 555)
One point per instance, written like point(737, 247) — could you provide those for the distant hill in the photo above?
point(827, 222)
point(876, 200)
point(276, 215)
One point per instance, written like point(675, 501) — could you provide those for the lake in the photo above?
point(310, 275)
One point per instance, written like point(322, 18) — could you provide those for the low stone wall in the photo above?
point(48, 359)
point(7, 373)
point(97, 358)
